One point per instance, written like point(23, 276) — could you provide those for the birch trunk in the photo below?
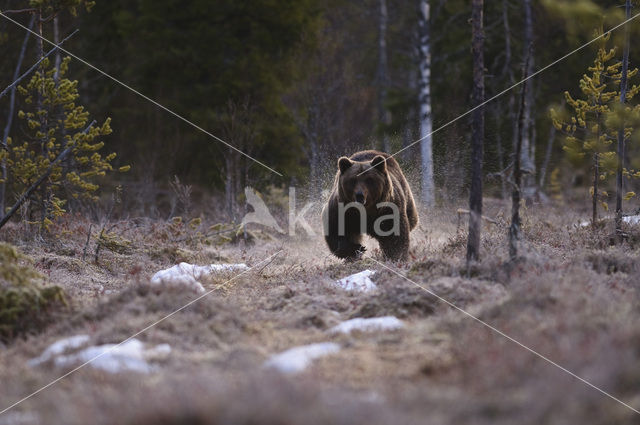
point(426, 123)
point(477, 132)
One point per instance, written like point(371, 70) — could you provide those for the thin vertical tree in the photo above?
point(9, 122)
point(384, 118)
point(528, 145)
point(505, 110)
point(621, 131)
point(516, 194)
point(426, 120)
point(56, 40)
point(477, 132)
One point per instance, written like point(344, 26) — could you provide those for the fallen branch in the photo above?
point(462, 211)
point(41, 179)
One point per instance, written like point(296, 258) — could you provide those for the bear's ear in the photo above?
point(344, 164)
point(379, 163)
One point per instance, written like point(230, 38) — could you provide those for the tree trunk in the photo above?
point(383, 113)
point(45, 187)
point(528, 145)
point(503, 182)
point(508, 114)
point(314, 161)
point(426, 121)
point(547, 156)
point(477, 132)
point(409, 129)
point(621, 141)
point(230, 184)
point(56, 40)
point(594, 199)
point(507, 42)
point(516, 195)
point(12, 104)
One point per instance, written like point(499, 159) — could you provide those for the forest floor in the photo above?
point(572, 297)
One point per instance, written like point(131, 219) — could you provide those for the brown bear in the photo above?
point(370, 195)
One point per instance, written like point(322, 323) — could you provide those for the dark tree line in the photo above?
point(297, 83)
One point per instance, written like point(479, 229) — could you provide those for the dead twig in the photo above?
point(462, 211)
point(271, 261)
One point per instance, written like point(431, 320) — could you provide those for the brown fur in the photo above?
point(382, 183)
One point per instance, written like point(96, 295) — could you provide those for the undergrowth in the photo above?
point(25, 306)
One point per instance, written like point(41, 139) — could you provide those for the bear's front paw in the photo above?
point(360, 250)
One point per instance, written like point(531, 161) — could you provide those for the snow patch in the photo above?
point(631, 219)
point(359, 282)
point(297, 359)
point(112, 358)
point(59, 347)
point(385, 323)
point(189, 274)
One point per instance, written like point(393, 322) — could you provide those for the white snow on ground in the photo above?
point(385, 323)
point(59, 347)
point(297, 359)
point(358, 282)
point(113, 358)
point(189, 274)
point(632, 219)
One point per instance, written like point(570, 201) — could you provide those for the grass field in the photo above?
point(572, 297)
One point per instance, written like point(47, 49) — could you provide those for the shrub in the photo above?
point(25, 306)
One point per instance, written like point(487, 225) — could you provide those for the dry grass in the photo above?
point(572, 297)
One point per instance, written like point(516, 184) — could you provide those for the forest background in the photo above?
point(296, 84)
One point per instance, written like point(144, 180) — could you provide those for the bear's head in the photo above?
point(367, 182)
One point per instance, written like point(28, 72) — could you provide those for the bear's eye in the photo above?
point(369, 180)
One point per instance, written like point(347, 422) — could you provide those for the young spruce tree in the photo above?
point(587, 132)
point(54, 122)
